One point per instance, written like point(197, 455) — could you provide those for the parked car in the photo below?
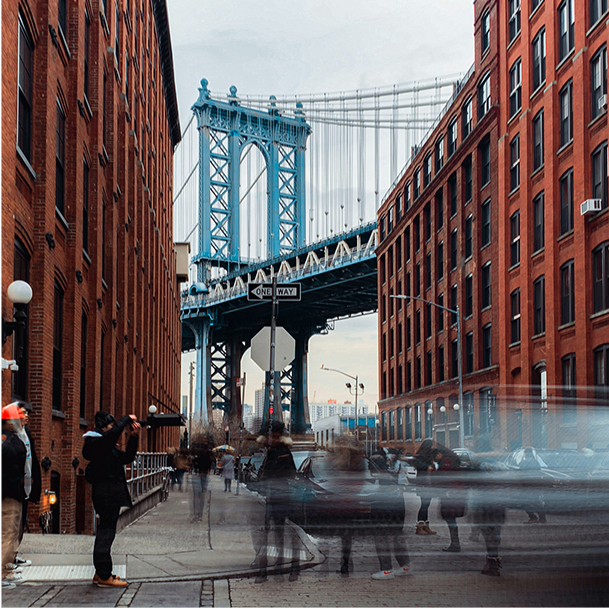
point(327, 497)
point(251, 467)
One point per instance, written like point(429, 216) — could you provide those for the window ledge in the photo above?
point(600, 115)
point(484, 185)
point(26, 162)
point(514, 40)
point(538, 252)
point(516, 114)
point(86, 257)
point(104, 285)
point(486, 308)
point(566, 325)
point(564, 236)
point(598, 23)
point(513, 344)
point(83, 422)
point(514, 191)
point(58, 414)
point(61, 218)
point(564, 147)
point(538, 170)
point(600, 313)
point(568, 56)
point(517, 265)
point(87, 106)
point(536, 10)
point(539, 88)
point(539, 335)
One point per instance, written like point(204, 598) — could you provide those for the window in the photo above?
point(60, 159)
point(407, 287)
point(440, 260)
point(514, 18)
point(566, 29)
point(515, 316)
point(427, 170)
point(398, 252)
point(469, 295)
point(399, 299)
point(566, 113)
point(83, 364)
point(62, 18)
point(452, 137)
point(85, 206)
point(453, 304)
point(25, 80)
point(597, 9)
point(487, 359)
point(407, 243)
point(469, 352)
point(538, 222)
point(467, 179)
point(407, 197)
point(485, 234)
point(468, 414)
point(601, 373)
point(418, 373)
point(600, 278)
point(417, 422)
point(468, 237)
point(567, 295)
point(486, 285)
point(535, 4)
point(428, 271)
point(599, 174)
point(569, 391)
point(515, 239)
point(467, 118)
point(383, 309)
point(116, 34)
point(400, 338)
point(105, 111)
point(383, 426)
point(21, 272)
point(428, 320)
point(103, 241)
point(515, 163)
point(87, 51)
point(539, 306)
point(439, 154)
point(440, 313)
point(515, 88)
point(441, 364)
point(57, 346)
point(382, 228)
point(417, 184)
point(486, 32)
point(566, 202)
point(484, 96)
point(417, 326)
point(453, 249)
point(454, 358)
point(384, 347)
point(408, 334)
point(539, 59)
point(417, 233)
point(408, 423)
point(427, 215)
point(390, 260)
point(485, 161)
point(428, 418)
point(452, 192)
point(439, 209)
point(417, 280)
point(538, 140)
point(398, 207)
point(400, 419)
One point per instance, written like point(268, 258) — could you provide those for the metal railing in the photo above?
point(148, 471)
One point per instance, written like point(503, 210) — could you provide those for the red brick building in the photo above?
point(89, 127)
point(512, 249)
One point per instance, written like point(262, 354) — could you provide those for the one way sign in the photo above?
point(264, 291)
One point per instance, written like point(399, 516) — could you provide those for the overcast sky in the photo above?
point(285, 47)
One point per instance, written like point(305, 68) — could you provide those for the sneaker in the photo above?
point(23, 562)
point(383, 574)
point(13, 568)
point(402, 571)
point(112, 581)
point(14, 577)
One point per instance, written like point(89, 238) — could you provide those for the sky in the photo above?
point(286, 47)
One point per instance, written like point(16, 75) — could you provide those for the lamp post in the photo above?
point(358, 385)
point(458, 406)
point(19, 294)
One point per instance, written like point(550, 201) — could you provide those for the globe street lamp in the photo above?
point(19, 294)
point(457, 406)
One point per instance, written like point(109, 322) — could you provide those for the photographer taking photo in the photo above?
point(106, 474)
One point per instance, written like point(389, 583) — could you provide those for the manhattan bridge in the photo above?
point(286, 188)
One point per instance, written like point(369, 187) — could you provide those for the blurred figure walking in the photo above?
point(535, 507)
point(424, 464)
point(228, 470)
point(201, 465)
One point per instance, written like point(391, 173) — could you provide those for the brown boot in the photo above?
point(112, 581)
point(428, 530)
point(492, 566)
point(421, 531)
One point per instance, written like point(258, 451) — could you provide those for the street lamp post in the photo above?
point(458, 406)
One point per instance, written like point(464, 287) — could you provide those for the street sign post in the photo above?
point(257, 292)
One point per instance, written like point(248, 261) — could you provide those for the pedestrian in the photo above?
point(106, 474)
point(228, 469)
point(201, 465)
point(13, 490)
point(534, 506)
point(424, 464)
point(32, 479)
point(275, 473)
point(182, 464)
point(172, 469)
point(452, 492)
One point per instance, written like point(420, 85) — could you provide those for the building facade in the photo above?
point(89, 127)
point(488, 217)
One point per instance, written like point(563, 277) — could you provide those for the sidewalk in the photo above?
point(164, 545)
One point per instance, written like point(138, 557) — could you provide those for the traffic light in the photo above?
point(271, 410)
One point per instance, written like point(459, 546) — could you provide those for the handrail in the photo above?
point(147, 471)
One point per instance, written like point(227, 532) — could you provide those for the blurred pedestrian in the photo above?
point(452, 493)
point(106, 473)
point(424, 464)
point(228, 469)
point(13, 490)
point(182, 464)
point(201, 465)
point(275, 473)
point(534, 507)
point(171, 452)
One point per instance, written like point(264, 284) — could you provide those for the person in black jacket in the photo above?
point(106, 474)
point(13, 491)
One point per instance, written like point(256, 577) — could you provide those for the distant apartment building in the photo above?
point(318, 411)
point(89, 126)
point(502, 213)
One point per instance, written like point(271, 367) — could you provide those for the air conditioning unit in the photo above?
point(602, 102)
point(592, 204)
